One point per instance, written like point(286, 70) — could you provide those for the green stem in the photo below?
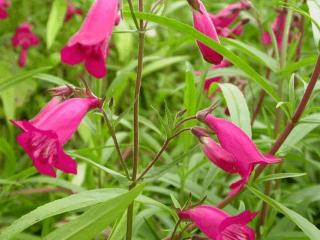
point(115, 141)
point(157, 157)
point(133, 14)
point(136, 119)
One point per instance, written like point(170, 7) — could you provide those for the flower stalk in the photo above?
point(136, 116)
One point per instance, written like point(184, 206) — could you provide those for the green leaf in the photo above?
point(55, 21)
point(291, 90)
point(237, 106)
point(175, 201)
point(103, 168)
point(124, 42)
point(11, 81)
point(162, 63)
point(119, 228)
point(300, 131)
point(8, 96)
point(95, 219)
point(303, 62)
point(190, 91)
point(314, 9)
point(196, 35)
point(55, 182)
point(67, 204)
point(51, 79)
point(7, 182)
point(253, 52)
point(8, 151)
point(281, 176)
point(225, 72)
point(307, 227)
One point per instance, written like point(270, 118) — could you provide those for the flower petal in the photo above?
point(72, 55)
point(96, 66)
point(203, 23)
point(65, 163)
point(98, 24)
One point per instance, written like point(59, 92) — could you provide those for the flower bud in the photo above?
point(194, 4)
point(64, 91)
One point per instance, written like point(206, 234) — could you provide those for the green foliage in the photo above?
point(92, 204)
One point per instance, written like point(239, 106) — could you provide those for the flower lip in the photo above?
point(219, 225)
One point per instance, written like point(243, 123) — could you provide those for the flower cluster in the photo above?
point(232, 150)
point(24, 38)
point(43, 136)
point(235, 153)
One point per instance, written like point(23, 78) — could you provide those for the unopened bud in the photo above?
point(181, 112)
point(245, 21)
point(64, 91)
point(200, 132)
point(245, 4)
point(194, 4)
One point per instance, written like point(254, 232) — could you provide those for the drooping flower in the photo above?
point(219, 225)
point(278, 27)
point(71, 11)
point(203, 23)
point(229, 14)
point(43, 136)
point(90, 43)
point(236, 153)
point(4, 5)
point(24, 38)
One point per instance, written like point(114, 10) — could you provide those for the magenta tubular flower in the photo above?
point(278, 27)
point(203, 23)
point(209, 81)
point(24, 38)
point(43, 137)
point(219, 225)
point(90, 43)
point(71, 11)
point(236, 153)
point(4, 5)
point(229, 14)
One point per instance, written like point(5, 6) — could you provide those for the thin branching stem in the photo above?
point(136, 119)
point(133, 15)
point(115, 141)
point(158, 155)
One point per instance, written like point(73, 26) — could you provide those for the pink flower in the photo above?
point(90, 43)
point(43, 137)
point(219, 225)
point(4, 5)
point(208, 82)
point(229, 14)
point(236, 153)
point(278, 27)
point(203, 23)
point(71, 11)
point(25, 38)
